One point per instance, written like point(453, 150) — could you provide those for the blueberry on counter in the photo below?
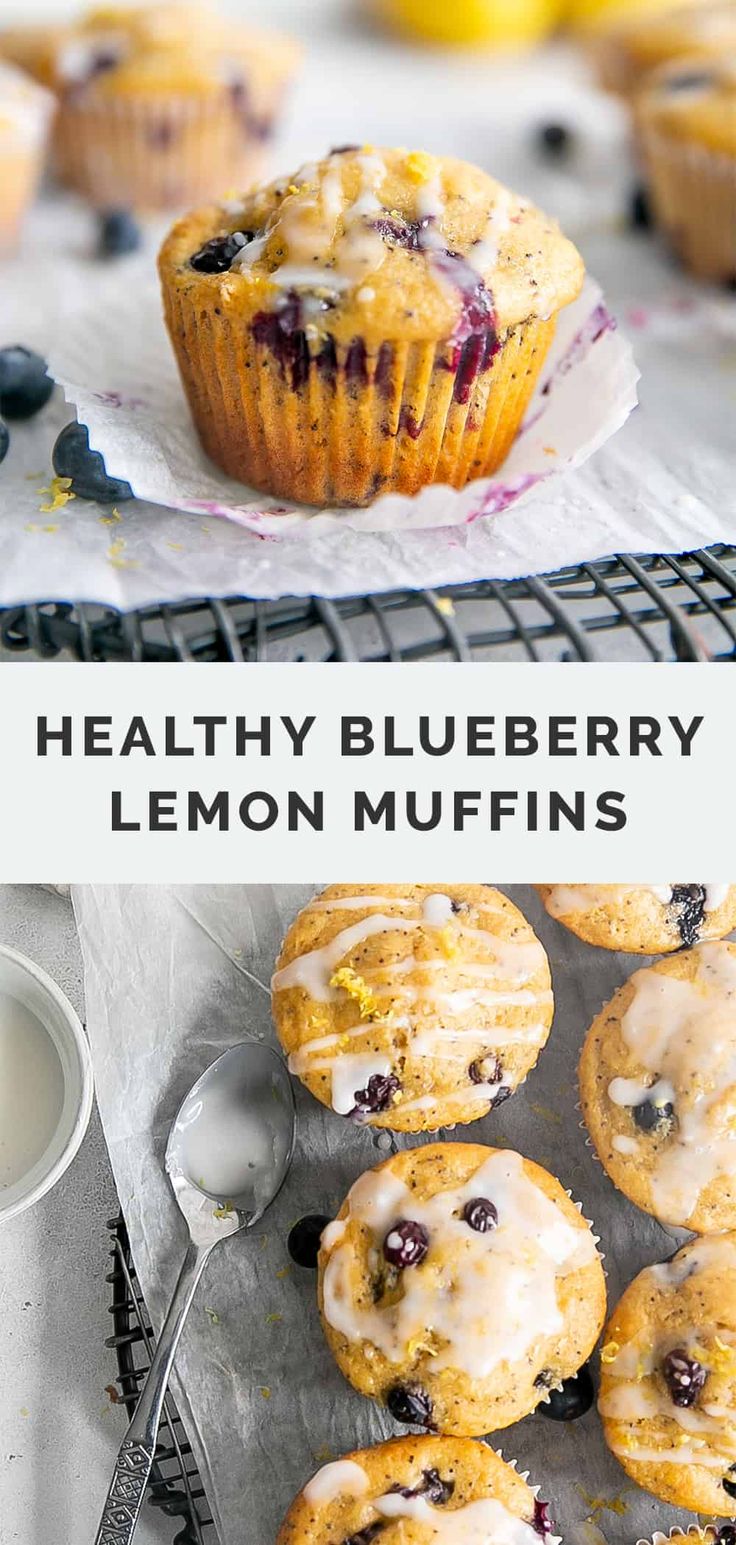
point(4, 440)
point(572, 1400)
point(304, 1238)
point(72, 457)
point(640, 213)
point(554, 140)
point(119, 234)
point(25, 386)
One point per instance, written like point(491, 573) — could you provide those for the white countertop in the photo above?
point(59, 1431)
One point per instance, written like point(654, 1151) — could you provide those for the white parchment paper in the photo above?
point(264, 1404)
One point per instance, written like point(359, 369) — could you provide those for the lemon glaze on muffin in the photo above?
point(447, 1490)
point(458, 1285)
point(658, 1088)
point(376, 322)
point(411, 1006)
point(668, 1378)
point(644, 919)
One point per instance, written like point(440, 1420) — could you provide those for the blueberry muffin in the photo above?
point(25, 113)
point(694, 1535)
point(629, 45)
point(420, 1490)
point(686, 125)
point(668, 1378)
point(458, 1285)
point(643, 919)
point(374, 323)
point(412, 1006)
point(658, 1088)
point(164, 104)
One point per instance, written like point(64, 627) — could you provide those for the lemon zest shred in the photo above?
point(59, 492)
point(610, 1352)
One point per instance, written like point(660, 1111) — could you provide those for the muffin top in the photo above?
point(25, 108)
point(381, 244)
point(658, 36)
point(645, 919)
point(412, 1006)
point(164, 49)
point(459, 1283)
point(695, 98)
point(419, 1490)
point(668, 1378)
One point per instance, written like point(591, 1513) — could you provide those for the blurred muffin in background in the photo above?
point(25, 114)
point(685, 117)
point(160, 106)
point(34, 49)
point(630, 45)
point(495, 23)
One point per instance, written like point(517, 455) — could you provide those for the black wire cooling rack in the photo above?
point(175, 1487)
point(623, 608)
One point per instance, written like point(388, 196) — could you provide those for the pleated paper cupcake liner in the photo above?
point(694, 197)
point(325, 422)
point(692, 1533)
point(148, 154)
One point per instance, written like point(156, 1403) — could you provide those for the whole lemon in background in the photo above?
point(498, 22)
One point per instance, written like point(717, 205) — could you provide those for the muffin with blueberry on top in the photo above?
point(668, 1379)
point(411, 1006)
point(458, 1286)
point(375, 323)
point(643, 919)
point(629, 45)
point(658, 1088)
point(423, 1489)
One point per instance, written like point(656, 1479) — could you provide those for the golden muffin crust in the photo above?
point(419, 1490)
point(381, 245)
point(411, 1006)
point(693, 101)
point(674, 1334)
point(658, 1088)
point(458, 1285)
point(643, 919)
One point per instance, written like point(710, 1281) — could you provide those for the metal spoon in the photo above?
point(228, 1154)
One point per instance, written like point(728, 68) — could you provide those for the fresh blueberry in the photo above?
point(431, 1486)
point(688, 904)
point(640, 210)
point(653, 1117)
point(727, 1535)
point(406, 1244)
point(409, 1403)
point(119, 234)
point(480, 1215)
point(684, 1377)
point(554, 140)
point(4, 440)
point(25, 386)
point(304, 1238)
point(542, 1521)
point(729, 1486)
point(377, 1095)
point(572, 1400)
point(73, 458)
point(217, 255)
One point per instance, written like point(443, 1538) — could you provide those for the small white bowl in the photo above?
point(23, 979)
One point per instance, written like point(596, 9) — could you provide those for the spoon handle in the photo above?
point(133, 1466)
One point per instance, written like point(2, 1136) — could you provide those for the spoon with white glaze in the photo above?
point(228, 1154)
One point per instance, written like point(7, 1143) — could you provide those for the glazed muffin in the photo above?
point(694, 1535)
point(25, 113)
point(458, 1285)
point(412, 1006)
point(419, 1489)
point(162, 105)
point(375, 323)
point(686, 125)
point(658, 1088)
point(668, 1378)
point(631, 45)
point(643, 919)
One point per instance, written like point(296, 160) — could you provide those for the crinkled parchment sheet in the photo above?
point(262, 1400)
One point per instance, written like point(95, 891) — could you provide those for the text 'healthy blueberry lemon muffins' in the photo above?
point(458, 1285)
point(644, 919)
point(376, 322)
point(686, 124)
point(412, 1006)
point(668, 1378)
point(430, 1491)
point(658, 1088)
point(25, 113)
point(161, 105)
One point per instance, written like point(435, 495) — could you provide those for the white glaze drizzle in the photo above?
point(342, 1478)
point(484, 1297)
point(683, 1034)
point(483, 1522)
point(565, 900)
